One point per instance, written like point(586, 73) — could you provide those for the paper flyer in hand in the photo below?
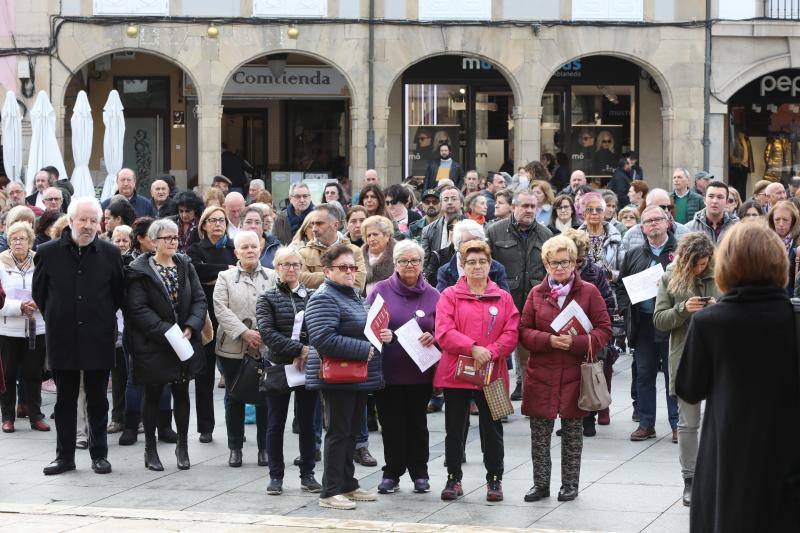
point(377, 319)
point(644, 285)
point(408, 336)
point(179, 343)
point(294, 377)
point(572, 321)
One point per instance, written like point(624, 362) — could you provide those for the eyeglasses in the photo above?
point(478, 262)
point(406, 262)
point(665, 207)
point(52, 199)
point(565, 206)
point(290, 266)
point(19, 239)
point(168, 238)
point(596, 210)
point(301, 196)
point(559, 264)
point(653, 221)
point(345, 268)
point(214, 221)
point(392, 201)
point(605, 141)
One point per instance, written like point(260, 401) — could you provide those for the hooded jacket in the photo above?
point(699, 223)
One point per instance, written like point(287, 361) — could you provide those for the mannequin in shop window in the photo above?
point(776, 157)
point(741, 161)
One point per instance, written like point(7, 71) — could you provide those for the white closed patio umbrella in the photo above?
point(82, 130)
point(12, 137)
point(113, 140)
point(44, 147)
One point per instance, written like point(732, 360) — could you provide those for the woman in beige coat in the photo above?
point(686, 287)
point(235, 295)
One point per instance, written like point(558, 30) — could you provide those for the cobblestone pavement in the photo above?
point(625, 486)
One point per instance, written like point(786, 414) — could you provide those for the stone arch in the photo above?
point(750, 73)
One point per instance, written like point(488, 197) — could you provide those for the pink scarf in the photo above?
point(557, 290)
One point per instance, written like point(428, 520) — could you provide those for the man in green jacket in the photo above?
point(686, 201)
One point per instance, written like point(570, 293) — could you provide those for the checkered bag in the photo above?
point(497, 399)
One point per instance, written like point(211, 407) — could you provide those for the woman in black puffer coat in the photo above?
point(277, 311)
point(163, 290)
point(336, 317)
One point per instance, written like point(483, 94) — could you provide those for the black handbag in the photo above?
point(273, 381)
point(245, 385)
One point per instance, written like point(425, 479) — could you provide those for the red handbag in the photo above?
point(337, 371)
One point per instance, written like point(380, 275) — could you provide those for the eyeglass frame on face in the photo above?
point(291, 266)
point(53, 199)
point(563, 264)
point(345, 268)
point(476, 262)
point(654, 221)
point(594, 210)
point(301, 196)
point(405, 263)
point(214, 221)
point(19, 239)
point(564, 206)
point(168, 238)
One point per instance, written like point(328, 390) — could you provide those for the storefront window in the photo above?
point(434, 114)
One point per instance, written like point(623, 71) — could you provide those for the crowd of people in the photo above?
point(154, 293)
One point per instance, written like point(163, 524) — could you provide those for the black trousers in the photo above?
point(119, 381)
point(402, 411)
point(456, 410)
point(234, 410)
point(344, 410)
point(305, 402)
point(204, 391)
point(18, 359)
point(68, 384)
point(152, 401)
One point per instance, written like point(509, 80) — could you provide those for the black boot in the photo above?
point(517, 394)
point(182, 452)
point(588, 426)
point(130, 434)
point(687, 491)
point(165, 431)
point(151, 460)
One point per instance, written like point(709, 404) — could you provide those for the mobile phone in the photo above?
point(705, 299)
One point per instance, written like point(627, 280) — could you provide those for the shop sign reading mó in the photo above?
point(259, 80)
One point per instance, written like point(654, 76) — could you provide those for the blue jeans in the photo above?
point(362, 440)
point(651, 356)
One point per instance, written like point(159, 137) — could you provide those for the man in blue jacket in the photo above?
point(450, 271)
point(126, 186)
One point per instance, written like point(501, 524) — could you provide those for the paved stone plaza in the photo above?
point(625, 486)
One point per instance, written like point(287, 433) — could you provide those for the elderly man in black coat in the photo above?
point(78, 286)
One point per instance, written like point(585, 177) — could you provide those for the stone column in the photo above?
point(209, 149)
point(719, 147)
point(667, 159)
point(381, 125)
point(527, 134)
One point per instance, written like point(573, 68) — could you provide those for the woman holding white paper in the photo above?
point(402, 404)
point(161, 286)
point(235, 296)
point(279, 314)
point(553, 378)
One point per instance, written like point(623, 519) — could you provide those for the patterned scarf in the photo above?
point(558, 290)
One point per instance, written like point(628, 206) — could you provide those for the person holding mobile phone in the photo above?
point(687, 287)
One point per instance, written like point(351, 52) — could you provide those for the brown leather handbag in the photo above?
point(339, 371)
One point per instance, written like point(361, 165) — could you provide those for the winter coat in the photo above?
point(694, 203)
point(312, 275)
point(448, 275)
point(596, 275)
point(276, 310)
point(463, 321)
point(436, 260)
point(456, 174)
point(700, 224)
point(282, 227)
point(611, 244)
point(403, 303)
point(235, 295)
point(209, 261)
point(552, 382)
point(634, 238)
point(271, 245)
point(672, 317)
point(78, 293)
point(149, 314)
point(380, 270)
point(521, 257)
point(167, 209)
point(431, 239)
point(141, 205)
point(741, 358)
point(335, 317)
point(619, 184)
point(14, 324)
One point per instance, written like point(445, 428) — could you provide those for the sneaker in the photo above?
point(82, 444)
point(49, 386)
point(361, 495)
point(275, 487)
point(643, 433)
point(452, 490)
point(364, 458)
point(494, 490)
point(337, 502)
point(114, 427)
point(422, 486)
point(310, 484)
point(387, 486)
point(517, 394)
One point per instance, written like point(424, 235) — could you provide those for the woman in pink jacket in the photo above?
point(473, 318)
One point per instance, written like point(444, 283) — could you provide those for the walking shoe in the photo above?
point(603, 417)
point(452, 490)
point(82, 444)
point(387, 486)
point(687, 492)
point(517, 394)
point(310, 484)
point(140, 429)
point(263, 458)
point(643, 433)
point(114, 427)
point(422, 486)
point(275, 487)
point(337, 502)
point(39, 425)
point(567, 493)
point(128, 437)
point(536, 493)
point(364, 458)
point(49, 386)
point(59, 466)
point(205, 438)
point(494, 490)
point(101, 466)
point(235, 458)
point(299, 460)
point(22, 411)
point(8, 426)
point(588, 426)
point(435, 404)
point(361, 495)
point(674, 436)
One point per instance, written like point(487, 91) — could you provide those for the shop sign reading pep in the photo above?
point(258, 80)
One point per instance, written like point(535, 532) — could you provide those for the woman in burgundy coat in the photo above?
point(553, 378)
